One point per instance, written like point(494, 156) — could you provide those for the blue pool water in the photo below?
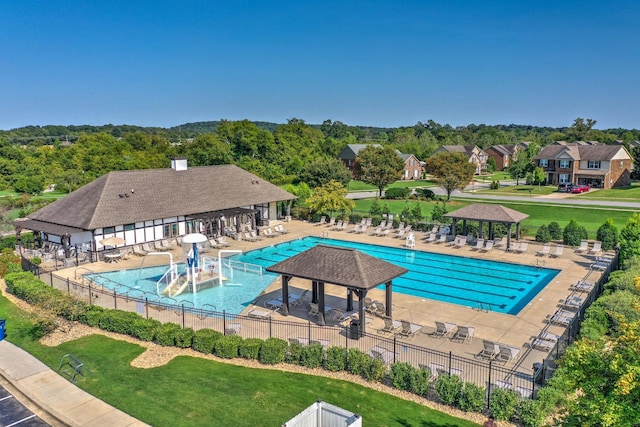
point(504, 287)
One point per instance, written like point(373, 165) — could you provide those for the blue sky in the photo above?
point(378, 63)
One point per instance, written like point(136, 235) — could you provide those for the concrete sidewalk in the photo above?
point(54, 394)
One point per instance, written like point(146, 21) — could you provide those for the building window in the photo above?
point(565, 164)
point(593, 164)
point(129, 227)
point(563, 178)
point(411, 162)
point(544, 163)
point(109, 230)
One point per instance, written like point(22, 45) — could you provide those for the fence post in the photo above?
point(90, 294)
point(115, 300)
point(309, 330)
point(224, 321)
point(489, 386)
point(270, 327)
point(450, 357)
point(146, 307)
point(395, 348)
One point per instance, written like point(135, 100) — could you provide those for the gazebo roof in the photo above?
point(488, 212)
point(339, 266)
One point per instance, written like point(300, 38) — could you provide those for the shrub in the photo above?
point(420, 381)
point(503, 403)
point(250, 348)
point(530, 413)
point(438, 212)
point(376, 371)
point(92, 316)
point(449, 388)
point(205, 339)
point(166, 334)
point(294, 353)
point(312, 355)
point(397, 193)
point(144, 329)
point(401, 375)
point(543, 234)
point(472, 398)
point(608, 235)
point(273, 351)
point(555, 231)
point(336, 359)
point(426, 193)
point(227, 346)
point(357, 361)
point(573, 233)
point(184, 337)
point(355, 218)
point(118, 321)
point(11, 279)
point(376, 208)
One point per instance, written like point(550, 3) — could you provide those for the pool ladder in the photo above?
point(325, 234)
point(540, 263)
point(486, 307)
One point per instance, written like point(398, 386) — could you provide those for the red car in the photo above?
point(580, 188)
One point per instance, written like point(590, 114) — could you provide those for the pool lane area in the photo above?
point(467, 281)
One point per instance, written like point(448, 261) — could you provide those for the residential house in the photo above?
point(503, 155)
point(147, 205)
point(476, 155)
point(413, 168)
point(593, 164)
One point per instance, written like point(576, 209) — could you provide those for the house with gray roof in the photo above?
point(476, 155)
point(413, 167)
point(152, 204)
point(596, 165)
point(503, 155)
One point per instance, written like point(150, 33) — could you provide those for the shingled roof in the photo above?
point(126, 197)
point(340, 266)
point(488, 212)
point(581, 152)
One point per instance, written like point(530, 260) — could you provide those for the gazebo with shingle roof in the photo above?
point(356, 271)
point(490, 213)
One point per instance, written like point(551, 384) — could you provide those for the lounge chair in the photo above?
point(584, 246)
point(455, 241)
point(558, 252)
point(596, 249)
point(461, 242)
point(464, 334)
point(498, 243)
point(322, 341)
point(390, 326)
point(584, 286)
point(378, 309)
point(342, 316)
point(442, 239)
point(368, 305)
point(385, 232)
point(299, 341)
point(545, 250)
point(436, 369)
point(248, 237)
point(409, 330)
point(404, 231)
point(168, 243)
point(515, 246)
point(522, 249)
point(338, 226)
point(259, 314)
point(323, 220)
point(254, 234)
point(430, 238)
point(573, 302)
point(280, 229)
point(315, 309)
point(562, 317)
point(213, 244)
point(232, 329)
point(362, 229)
point(489, 351)
point(600, 265)
point(444, 329)
point(137, 250)
point(222, 241)
point(332, 221)
point(479, 245)
point(383, 354)
point(488, 247)
point(158, 245)
point(268, 232)
point(546, 341)
point(506, 353)
point(400, 227)
point(147, 247)
point(274, 304)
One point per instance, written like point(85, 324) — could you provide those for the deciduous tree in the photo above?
point(451, 170)
point(330, 198)
point(379, 166)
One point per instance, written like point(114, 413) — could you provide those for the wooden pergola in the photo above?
point(490, 213)
point(350, 268)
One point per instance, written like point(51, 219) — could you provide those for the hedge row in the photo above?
point(448, 389)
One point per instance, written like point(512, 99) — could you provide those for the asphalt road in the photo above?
point(14, 413)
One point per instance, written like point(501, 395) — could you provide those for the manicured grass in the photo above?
point(355, 186)
point(630, 194)
point(195, 392)
point(520, 190)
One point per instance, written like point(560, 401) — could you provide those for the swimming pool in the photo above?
point(239, 290)
point(499, 286)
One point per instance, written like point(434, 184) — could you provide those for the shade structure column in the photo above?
point(517, 230)
point(480, 230)
point(389, 297)
point(349, 299)
point(285, 295)
point(509, 236)
point(321, 321)
point(314, 291)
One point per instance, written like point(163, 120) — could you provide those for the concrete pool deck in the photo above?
point(513, 330)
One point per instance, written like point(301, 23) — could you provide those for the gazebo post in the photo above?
point(285, 295)
point(480, 229)
point(321, 321)
point(509, 236)
point(314, 291)
point(389, 299)
point(490, 229)
point(349, 299)
point(362, 293)
point(453, 226)
point(518, 231)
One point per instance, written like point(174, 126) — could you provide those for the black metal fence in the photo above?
point(488, 374)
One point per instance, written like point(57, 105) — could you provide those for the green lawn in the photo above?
point(539, 213)
point(520, 190)
point(356, 186)
point(629, 194)
point(195, 392)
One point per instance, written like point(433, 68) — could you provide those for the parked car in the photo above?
point(565, 187)
point(581, 188)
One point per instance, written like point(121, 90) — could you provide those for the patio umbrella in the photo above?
point(112, 241)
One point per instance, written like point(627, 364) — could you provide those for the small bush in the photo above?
point(472, 398)
point(250, 348)
point(555, 231)
point(336, 360)
point(494, 185)
point(166, 334)
point(426, 193)
point(184, 338)
point(92, 316)
point(312, 355)
point(227, 346)
point(449, 388)
point(273, 351)
point(205, 339)
point(420, 381)
point(144, 329)
point(573, 234)
point(503, 403)
point(401, 375)
point(357, 361)
point(608, 235)
point(530, 413)
point(543, 234)
point(118, 321)
point(376, 371)
point(397, 193)
point(294, 353)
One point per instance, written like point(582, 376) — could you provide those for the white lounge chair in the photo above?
point(430, 238)
point(280, 229)
point(596, 249)
point(489, 350)
point(259, 314)
point(488, 247)
point(563, 317)
point(573, 302)
point(506, 353)
point(522, 249)
point(584, 286)
point(584, 246)
point(558, 252)
point(479, 245)
point(464, 334)
point(383, 354)
point(409, 330)
point(545, 250)
point(332, 221)
point(232, 329)
point(390, 326)
point(545, 341)
point(444, 329)
point(323, 220)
